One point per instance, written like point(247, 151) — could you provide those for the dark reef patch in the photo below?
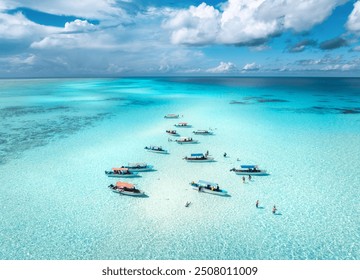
point(254, 100)
point(321, 110)
point(17, 137)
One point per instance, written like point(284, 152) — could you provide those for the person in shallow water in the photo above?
point(249, 177)
point(274, 209)
point(225, 154)
point(257, 204)
point(243, 178)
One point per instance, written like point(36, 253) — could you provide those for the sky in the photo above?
point(113, 38)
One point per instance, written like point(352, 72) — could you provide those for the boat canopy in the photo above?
point(248, 166)
point(202, 182)
point(124, 185)
point(197, 155)
point(120, 169)
point(137, 164)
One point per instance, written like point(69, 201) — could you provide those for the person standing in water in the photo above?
point(274, 210)
point(257, 204)
point(249, 177)
point(243, 178)
point(225, 154)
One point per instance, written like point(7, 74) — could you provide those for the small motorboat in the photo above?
point(139, 167)
point(249, 170)
point(202, 132)
point(186, 140)
point(171, 116)
point(199, 158)
point(208, 187)
point(156, 149)
point(182, 124)
point(172, 132)
point(121, 172)
point(125, 188)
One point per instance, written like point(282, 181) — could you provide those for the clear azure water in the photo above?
point(58, 136)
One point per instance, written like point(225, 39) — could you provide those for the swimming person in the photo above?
point(225, 154)
point(274, 209)
point(243, 178)
point(257, 204)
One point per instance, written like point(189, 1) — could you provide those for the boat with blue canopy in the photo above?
point(208, 187)
point(249, 169)
point(199, 157)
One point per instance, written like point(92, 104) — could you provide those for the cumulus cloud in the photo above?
point(353, 22)
point(251, 67)
point(197, 25)
point(301, 46)
point(333, 44)
point(79, 25)
point(223, 67)
point(246, 22)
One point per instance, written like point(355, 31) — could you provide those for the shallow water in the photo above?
point(58, 136)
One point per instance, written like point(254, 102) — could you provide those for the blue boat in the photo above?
point(249, 170)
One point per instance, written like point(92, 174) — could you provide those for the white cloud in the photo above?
point(251, 67)
point(79, 25)
point(197, 25)
point(17, 26)
point(353, 23)
point(246, 21)
point(223, 67)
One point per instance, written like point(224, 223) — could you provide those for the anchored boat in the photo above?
point(208, 187)
point(186, 140)
point(126, 189)
point(249, 170)
point(139, 167)
point(121, 172)
point(172, 132)
point(156, 149)
point(182, 124)
point(171, 116)
point(202, 132)
point(198, 158)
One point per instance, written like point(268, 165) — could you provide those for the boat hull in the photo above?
point(141, 193)
point(145, 169)
point(260, 173)
point(187, 142)
point(112, 174)
point(209, 191)
point(158, 152)
point(200, 160)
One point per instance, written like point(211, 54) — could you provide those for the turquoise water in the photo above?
point(58, 136)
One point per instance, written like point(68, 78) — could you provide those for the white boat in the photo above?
point(171, 116)
point(139, 167)
point(202, 132)
point(182, 124)
point(198, 158)
point(126, 189)
point(121, 172)
point(208, 187)
point(249, 170)
point(156, 149)
point(172, 132)
point(186, 140)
